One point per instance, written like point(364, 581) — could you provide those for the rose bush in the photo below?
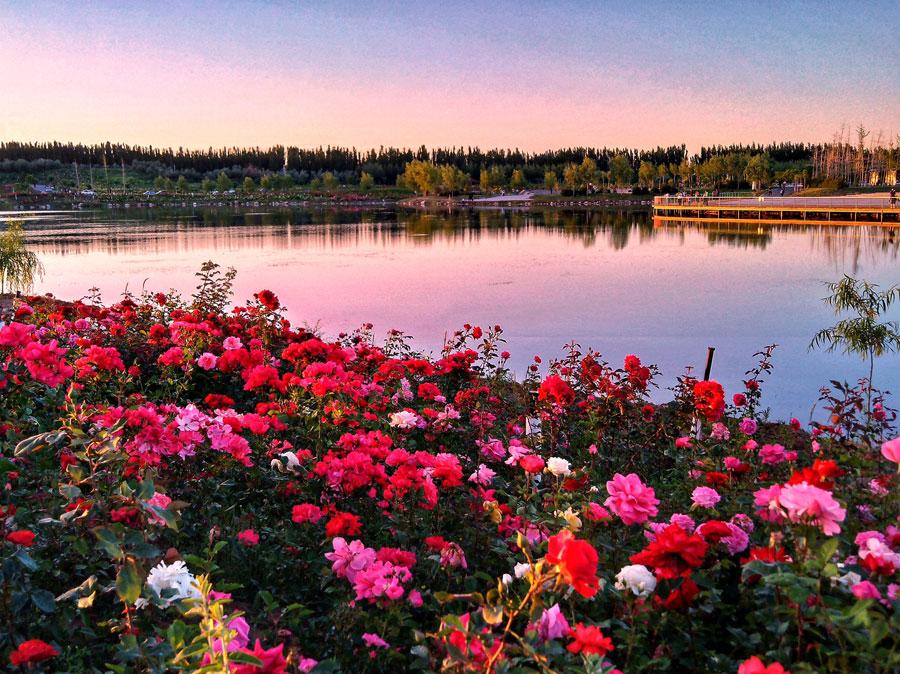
point(189, 487)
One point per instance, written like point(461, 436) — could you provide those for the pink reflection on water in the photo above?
point(626, 287)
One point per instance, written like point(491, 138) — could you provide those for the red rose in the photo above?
point(33, 650)
point(343, 524)
point(21, 537)
point(714, 531)
point(268, 299)
point(531, 463)
point(556, 389)
point(589, 640)
point(674, 553)
point(709, 399)
point(681, 597)
point(576, 560)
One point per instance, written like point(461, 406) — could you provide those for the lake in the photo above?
point(609, 280)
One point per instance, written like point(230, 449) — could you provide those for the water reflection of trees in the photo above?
point(162, 230)
point(157, 230)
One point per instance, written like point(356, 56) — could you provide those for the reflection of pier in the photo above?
point(780, 210)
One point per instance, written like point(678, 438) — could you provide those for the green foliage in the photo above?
point(366, 181)
point(758, 170)
point(330, 181)
point(620, 171)
point(551, 181)
point(19, 267)
point(223, 182)
point(215, 289)
point(863, 334)
point(422, 177)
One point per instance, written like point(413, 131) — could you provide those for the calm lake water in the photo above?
point(609, 280)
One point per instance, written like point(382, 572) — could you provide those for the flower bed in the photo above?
point(191, 488)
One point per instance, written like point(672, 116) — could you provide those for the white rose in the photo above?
point(521, 569)
point(559, 467)
point(637, 578)
point(175, 576)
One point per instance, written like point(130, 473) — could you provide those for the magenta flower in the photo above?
point(865, 590)
point(630, 499)
point(207, 361)
point(705, 497)
point(373, 640)
point(552, 624)
point(348, 559)
point(248, 537)
point(772, 454)
point(748, 426)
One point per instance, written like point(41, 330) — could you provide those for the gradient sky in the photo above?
point(533, 75)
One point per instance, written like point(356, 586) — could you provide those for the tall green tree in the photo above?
point(366, 181)
point(758, 171)
point(330, 181)
point(182, 185)
point(249, 185)
point(19, 267)
point(620, 171)
point(551, 181)
point(223, 182)
point(517, 179)
point(646, 174)
point(422, 177)
point(862, 334)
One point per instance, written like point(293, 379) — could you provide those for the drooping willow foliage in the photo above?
point(19, 267)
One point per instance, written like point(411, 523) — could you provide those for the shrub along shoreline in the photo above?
point(189, 485)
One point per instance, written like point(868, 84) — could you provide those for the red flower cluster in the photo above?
point(821, 474)
point(555, 389)
point(674, 553)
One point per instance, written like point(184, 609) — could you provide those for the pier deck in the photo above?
point(840, 210)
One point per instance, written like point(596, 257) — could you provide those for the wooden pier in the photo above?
point(786, 210)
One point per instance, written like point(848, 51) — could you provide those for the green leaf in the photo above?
point(108, 542)
point(826, 552)
point(45, 601)
point(326, 667)
point(25, 560)
point(145, 550)
point(244, 658)
point(128, 582)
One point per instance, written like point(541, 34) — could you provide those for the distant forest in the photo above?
point(384, 164)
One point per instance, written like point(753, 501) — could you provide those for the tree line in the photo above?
point(383, 164)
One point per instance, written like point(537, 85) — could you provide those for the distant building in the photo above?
point(43, 189)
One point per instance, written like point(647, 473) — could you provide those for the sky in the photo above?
point(532, 75)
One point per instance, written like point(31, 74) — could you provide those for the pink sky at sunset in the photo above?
point(125, 77)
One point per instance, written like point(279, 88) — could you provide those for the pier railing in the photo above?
point(788, 202)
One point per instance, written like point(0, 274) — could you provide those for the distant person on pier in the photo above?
point(893, 197)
